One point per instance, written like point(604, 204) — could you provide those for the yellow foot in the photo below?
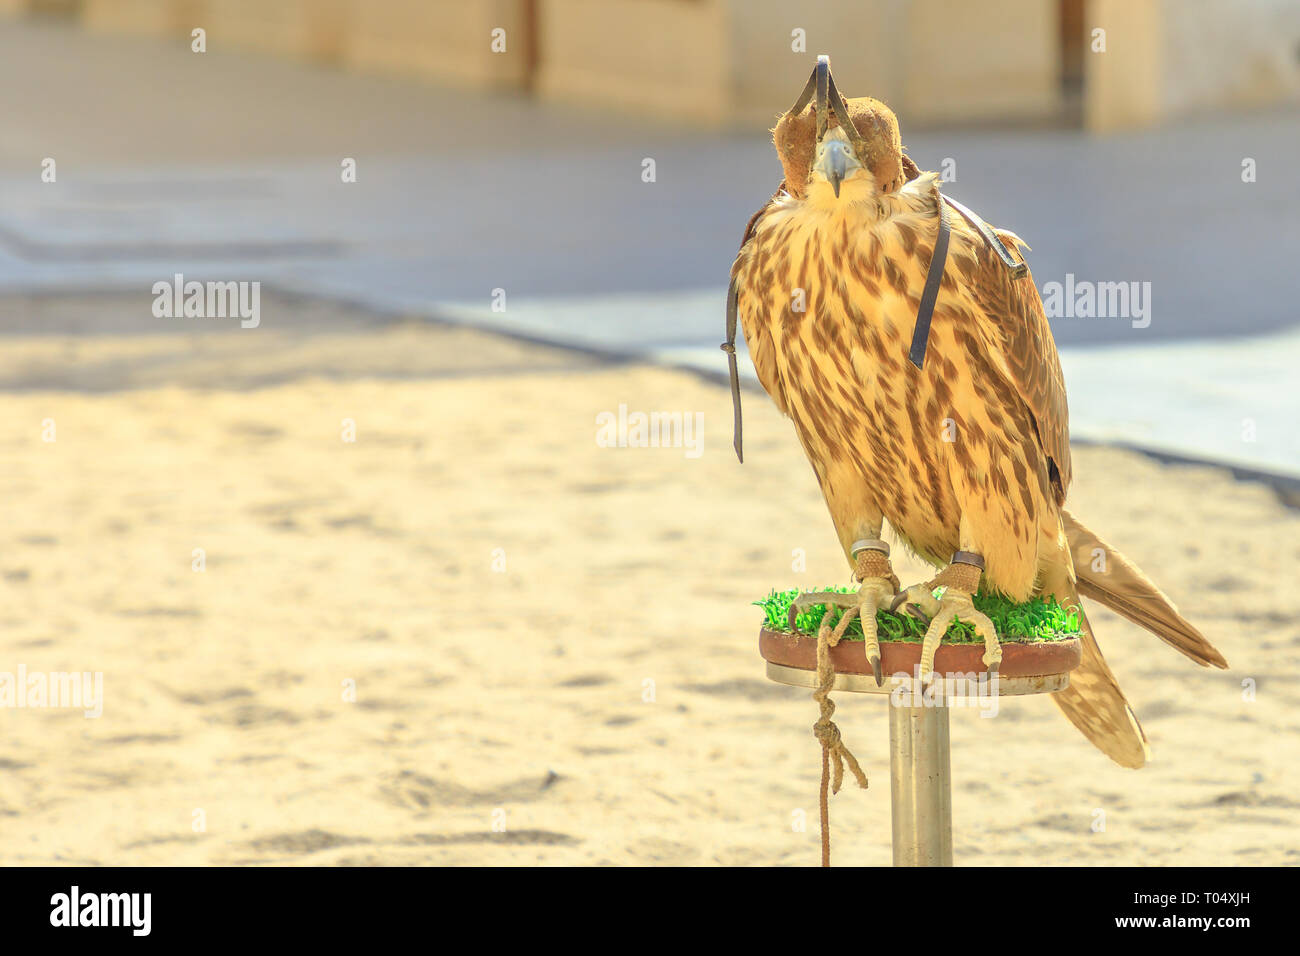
point(871, 596)
point(943, 605)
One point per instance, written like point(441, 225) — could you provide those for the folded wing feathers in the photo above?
point(1123, 588)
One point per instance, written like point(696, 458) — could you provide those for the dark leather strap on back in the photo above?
point(729, 347)
point(933, 278)
point(1018, 269)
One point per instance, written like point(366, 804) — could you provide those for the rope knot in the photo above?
point(826, 731)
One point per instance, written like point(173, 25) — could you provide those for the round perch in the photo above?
point(919, 765)
point(1032, 668)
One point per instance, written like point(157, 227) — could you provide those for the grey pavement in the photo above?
point(226, 166)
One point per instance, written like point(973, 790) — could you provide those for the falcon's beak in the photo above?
point(836, 161)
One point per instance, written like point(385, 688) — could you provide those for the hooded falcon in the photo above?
point(909, 347)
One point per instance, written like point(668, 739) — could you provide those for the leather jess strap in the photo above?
point(729, 347)
point(933, 278)
point(924, 312)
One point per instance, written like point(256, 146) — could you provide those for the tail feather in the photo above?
point(1123, 588)
point(1094, 703)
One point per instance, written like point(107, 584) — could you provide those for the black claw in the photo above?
point(876, 669)
point(916, 611)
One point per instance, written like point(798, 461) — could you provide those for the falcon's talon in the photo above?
point(876, 669)
point(862, 604)
point(958, 605)
point(918, 601)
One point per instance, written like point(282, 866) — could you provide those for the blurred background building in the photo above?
point(728, 61)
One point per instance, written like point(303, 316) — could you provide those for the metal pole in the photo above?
point(920, 780)
point(920, 785)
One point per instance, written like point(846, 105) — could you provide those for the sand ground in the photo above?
point(542, 633)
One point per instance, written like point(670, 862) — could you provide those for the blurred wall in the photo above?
point(314, 29)
point(1170, 58)
point(152, 17)
point(1230, 54)
point(444, 41)
point(1122, 83)
point(668, 57)
point(428, 39)
point(743, 61)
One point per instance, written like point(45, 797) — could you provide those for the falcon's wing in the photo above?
point(761, 349)
point(1020, 333)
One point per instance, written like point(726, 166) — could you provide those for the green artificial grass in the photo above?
point(1034, 621)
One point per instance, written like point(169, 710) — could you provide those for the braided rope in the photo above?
point(834, 752)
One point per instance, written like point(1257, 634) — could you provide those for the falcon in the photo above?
point(906, 341)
